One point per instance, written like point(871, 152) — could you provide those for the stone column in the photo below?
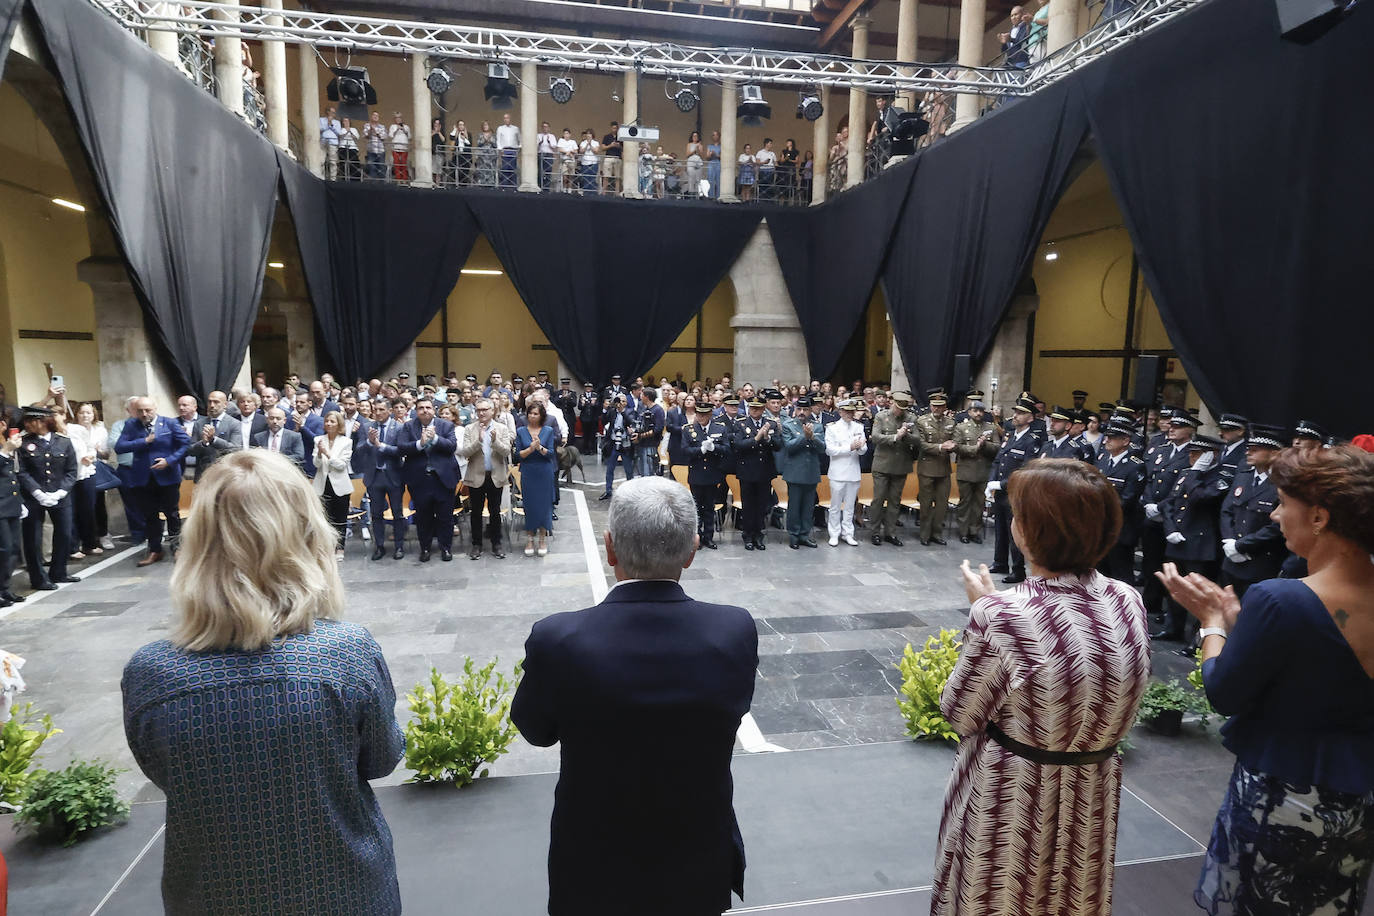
point(421, 168)
point(768, 338)
point(300, 335)
point(629, 150)
point(858, 104)
point(906, 46)
point(820, 145)
point(972, 23)
point(529, 126)
point(1006, 361)
point(404, 362)
point(729, 143)
point(310, 110)
point(164, 43)
point(274, 81)
point(1063, 24)
point(130, 363)
point(229, 65)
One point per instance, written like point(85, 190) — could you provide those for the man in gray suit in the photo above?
point(803, 444)
point(213, 435)
point(280, 439)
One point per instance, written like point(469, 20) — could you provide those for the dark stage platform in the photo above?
point(828, 832)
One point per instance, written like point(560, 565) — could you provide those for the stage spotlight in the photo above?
point(686, 97)
point(810, 108)
point(438, 81)
point(752, 108)
point(1051, 255)
point(561, 88)
point(499, 90)
point(910, 125)
point(353, 92)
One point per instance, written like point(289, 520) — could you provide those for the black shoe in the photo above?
point(1167, 632)
point(893, 540)
point(877, 540)
point(45, 587)
point(555, 515)
point(11, 597)
point(976, 538)
point(941, 541)
point(4, 603)
point(603, 497)
point(998, 568)
point(808, 542)
point(445, 554)
point(748, 543)
point(475, 553)
point(794, 543)
point(424, 555)
point(759, 543)
point(900, 524)
point(709, 545)
point(1188, 651)
point(398, 554)
point(66, 579)
point(378, 553)
point(925, 542)
point(1014, 578)
point(497, 552)
point(964, 539)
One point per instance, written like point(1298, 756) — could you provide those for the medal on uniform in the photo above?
point(32, 447)
point(1239, 490)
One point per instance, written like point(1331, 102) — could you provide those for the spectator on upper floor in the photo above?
point(546, 143)
point(329, 140)
point(508, 144)
point(1015, 40)
point(374, 139)
point(399, 135)
point(348, 151)
point(612, 150)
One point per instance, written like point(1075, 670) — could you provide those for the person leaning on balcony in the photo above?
point(611, 149)
point(399, 135)
point(329, 139)
point(588, 158)
point(374, 139)
point(567, 159)
point(348, 151)
point(508, 143)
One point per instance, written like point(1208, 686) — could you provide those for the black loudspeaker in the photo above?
point(1149, 379)
point(1305, 21)
point(963, 375)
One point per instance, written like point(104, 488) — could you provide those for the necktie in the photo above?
point(276, 444)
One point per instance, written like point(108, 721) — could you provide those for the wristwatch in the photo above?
point(1211, 631)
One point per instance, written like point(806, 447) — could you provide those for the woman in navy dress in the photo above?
point(537, 454)
point(264, 716)
point(1293, 667)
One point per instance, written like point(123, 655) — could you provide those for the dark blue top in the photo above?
point(1301, 706)
point(264, 758)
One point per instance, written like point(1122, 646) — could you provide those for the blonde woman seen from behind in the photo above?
point(264, 716)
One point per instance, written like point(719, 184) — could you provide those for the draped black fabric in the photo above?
point(973, 217)
point(830, 256)
point(190, 188)
point(611, 283)
point(379, 262)
point(1236, 159)
point(9, 20)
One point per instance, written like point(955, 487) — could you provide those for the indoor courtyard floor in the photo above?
point(838, 808)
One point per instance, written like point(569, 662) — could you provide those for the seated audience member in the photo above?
point(264, 716)
point(1292, 665)
point(1045, 688)
point(280, 439)
point(652, 828)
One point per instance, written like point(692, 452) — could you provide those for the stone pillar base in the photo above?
point(130, 364)
point(768, 338)
point(1006, 361)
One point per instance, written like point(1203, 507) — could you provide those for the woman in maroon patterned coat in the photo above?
point(1046, 686)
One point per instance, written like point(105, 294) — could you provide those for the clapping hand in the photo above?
point(160, 464)
point(1211, 604)
point(372, 436)
point(322, 447)
point(979, 584)
point(857, 444)
point(947, 445)
point(207, 433)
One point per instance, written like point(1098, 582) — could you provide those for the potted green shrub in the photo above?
point(1162, 707)
point(67, 804)
point(459, 729)
point(924, 674)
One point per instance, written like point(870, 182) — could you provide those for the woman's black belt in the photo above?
point(1050, 758)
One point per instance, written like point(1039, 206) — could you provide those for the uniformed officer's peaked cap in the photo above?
point(704, 406)
point(1270, 436)
point(1183, 418)
point(1120, 429)
point(1201, 443)
point(757, 402)
point(734, 401)
point(806, 401)
point(1025, 404)
point(938, 400)
point(1079, 393)
point(901, 398)
point(1232, 421)
point(37, 413)
point(1308, 430)
point(1061, 413)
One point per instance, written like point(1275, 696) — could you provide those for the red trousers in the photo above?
point(399, 167)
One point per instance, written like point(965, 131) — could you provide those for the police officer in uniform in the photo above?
point(47, 473)
point(803, 447)
point(1060, 444)
point(1018, 448)
point(935, 438)
point(754, 440)
point(1163, 464)
point(1232, 458)
point(1191, 515)
point(976, 440)
point(705, 444)
point(11, 504)
point(1126, 472)
point(589, 413)
point(565, 400)
point(1251, 541)
point(613, 390)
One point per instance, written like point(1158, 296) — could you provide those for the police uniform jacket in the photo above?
point(890, 454)
point(1232, 461)
point(10, 500)
point(1014, 452)
point(1162, 469)
point(706, 468)
point(799, 461)
point(588, 408)
point(1128, 477)
point(974, 460)
point(565, 401)
point(1067, 447)
point(1245, 517)
point(754, 457)
point(933, 461)
point(1193, 508)
point(51, 466)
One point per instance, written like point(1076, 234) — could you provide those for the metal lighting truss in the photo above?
point(743, 65)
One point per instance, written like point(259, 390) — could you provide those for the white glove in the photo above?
point(39, 496)
point(994, 486)
point(23, 511)
point(1175, 537)
point(1206, 461)
point(1232, 554)
point(709, 445)
point(58, 496)
point(1152, 510)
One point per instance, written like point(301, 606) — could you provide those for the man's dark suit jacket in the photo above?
point(292, 446)
point(648, 825)
point(440, 455)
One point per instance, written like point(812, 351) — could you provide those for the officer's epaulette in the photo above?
point(1137, 459)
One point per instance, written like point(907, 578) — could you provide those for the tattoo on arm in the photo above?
point(1341, 617)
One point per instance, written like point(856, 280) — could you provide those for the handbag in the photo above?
point(105, 477)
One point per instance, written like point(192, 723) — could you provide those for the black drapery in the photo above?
point(1237, 160)
point(830, 257)
point(611, 283)
point(379, 262)
point(9, 20)
point(190, 188)
point(972, 220)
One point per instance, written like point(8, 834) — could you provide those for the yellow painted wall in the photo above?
point(1084, 295)
point(878, 338)
point(716, 332)
point(40, 246)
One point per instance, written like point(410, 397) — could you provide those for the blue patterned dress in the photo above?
point(264, 758)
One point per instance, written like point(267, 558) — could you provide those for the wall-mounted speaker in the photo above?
point(1149, 380)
